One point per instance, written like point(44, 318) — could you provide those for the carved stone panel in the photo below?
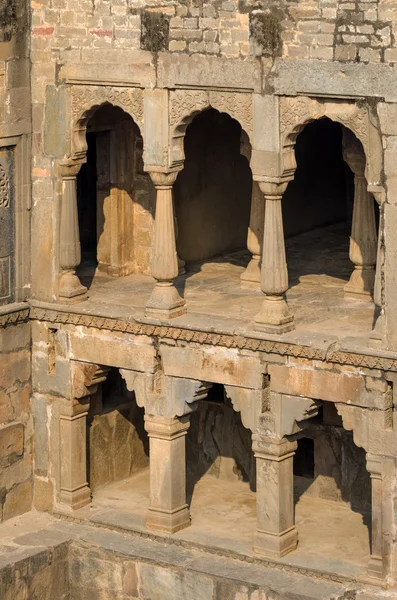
point(184, 103)
point(86, 97)
point(6, 226)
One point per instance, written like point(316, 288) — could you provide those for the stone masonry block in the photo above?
point(11, 443)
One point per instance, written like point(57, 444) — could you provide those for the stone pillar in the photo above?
point(276, 534)
point(274, 316)
point(363, 240)
point(168, 511)
point(376, 561)
point(251, 278)
point(74, 489)
point(70, 288)
point(165, 301)
point(377, 335)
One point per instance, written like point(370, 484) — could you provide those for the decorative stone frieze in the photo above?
point(371, 360)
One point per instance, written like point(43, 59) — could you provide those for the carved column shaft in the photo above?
point(168, 510)
point(165, 301)
point(251, 277)
point(70, 287)
point(376, 565)
point(74, 488)
point(276, 534)
point(378, 333)
point(363, 242)
point(274, 316)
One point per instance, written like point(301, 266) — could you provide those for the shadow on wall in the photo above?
point(329, 466)
point(115, 198)
point(117, 443)
point(213, 191)
point(218, 444)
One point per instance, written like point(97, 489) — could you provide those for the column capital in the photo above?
point(273, 189)
point(68, 168)
point(272, 448)
point(165, 428)
point(163, 179)
point(375, 466)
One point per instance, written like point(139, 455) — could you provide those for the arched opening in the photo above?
point(117, 443)
point(114, 197)
point(318, 206)
point(332, 494)
point(327, 248)
point(213, 191)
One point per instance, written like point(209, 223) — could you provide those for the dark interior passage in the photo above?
point(322, 190)
point(87, 202)
point(213, 192)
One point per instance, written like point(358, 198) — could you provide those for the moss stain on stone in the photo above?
point(155, 27)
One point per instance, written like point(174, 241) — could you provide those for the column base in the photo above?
point(275, 545)
point(274, 316)
point(168, 521)
point(165, 302)
point(361, 285)
point(251, 277)
point(70, 288)
point(375, 571)
point(75, 499)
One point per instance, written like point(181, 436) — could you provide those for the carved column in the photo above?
point(276, 534)
point(74, 489)
point(70, 288)
point(378, 333)
point(251, 278)
point(376, 562)
point(363, 240)
point(168, 510)
point(274, 316)
point(165, 301)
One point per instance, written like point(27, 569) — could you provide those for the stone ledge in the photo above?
point(65, 315)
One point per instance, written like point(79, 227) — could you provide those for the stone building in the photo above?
point(198, 299)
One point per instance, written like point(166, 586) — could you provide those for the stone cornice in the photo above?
point(13, 314)
point(370, 360)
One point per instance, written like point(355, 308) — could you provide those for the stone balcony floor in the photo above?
point(332, 538)
point(319, 267)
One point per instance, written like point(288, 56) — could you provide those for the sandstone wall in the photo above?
point(16, 423)
point(321, 29)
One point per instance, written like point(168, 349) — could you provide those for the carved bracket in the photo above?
point(86, 377)
point(165, 396)
point(249, 403)
point(288, 415)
